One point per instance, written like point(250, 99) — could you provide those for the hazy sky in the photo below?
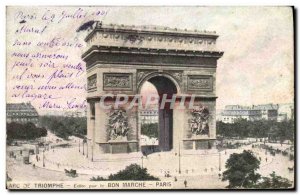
point(257, 65)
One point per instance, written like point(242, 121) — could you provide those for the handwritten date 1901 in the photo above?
point(51, 15)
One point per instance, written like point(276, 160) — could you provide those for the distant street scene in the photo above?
point(50, 157)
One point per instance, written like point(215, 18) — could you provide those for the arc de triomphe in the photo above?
point(120, 59)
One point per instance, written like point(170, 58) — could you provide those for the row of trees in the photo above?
point(242, 128)
point(64, 127)
point(26, 131)
point(241, 173)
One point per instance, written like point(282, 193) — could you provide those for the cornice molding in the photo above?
point(153, 30)
point(148, 51)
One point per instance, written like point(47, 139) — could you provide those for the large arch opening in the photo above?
point(160, 86)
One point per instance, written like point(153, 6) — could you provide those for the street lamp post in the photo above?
point(83, 148)
point(92, 152)
point(219, 161)
point(179, 163)
point(142, 163)
point(44, 158)
point(87, 150)
point(79, 145)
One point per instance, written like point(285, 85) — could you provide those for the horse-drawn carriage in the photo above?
point(71, 173)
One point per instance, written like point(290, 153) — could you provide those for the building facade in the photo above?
point(231, 113)
point(286, 111)
point(268, 111)
point(21, 113)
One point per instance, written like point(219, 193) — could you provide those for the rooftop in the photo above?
point(253, 107)
point(128, 40)
point(20, 107)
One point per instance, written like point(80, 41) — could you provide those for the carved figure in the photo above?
point(118, 124)
point(199, 121)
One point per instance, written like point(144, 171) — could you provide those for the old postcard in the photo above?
point(165, 98)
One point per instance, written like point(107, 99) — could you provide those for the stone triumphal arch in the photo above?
point(120, 59)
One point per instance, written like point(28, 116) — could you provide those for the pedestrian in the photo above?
point(185, 183)
point(266, 159)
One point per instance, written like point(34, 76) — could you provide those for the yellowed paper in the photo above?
point(150, 97)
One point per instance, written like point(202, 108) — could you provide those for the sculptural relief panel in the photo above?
point(92, 82)
point(117, 126)
point(199, 121)
point(117, 81)
point(200, 82)
point(141, 74)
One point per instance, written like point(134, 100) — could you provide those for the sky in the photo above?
point(257, 66)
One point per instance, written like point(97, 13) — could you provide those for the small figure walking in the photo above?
point(185, 183)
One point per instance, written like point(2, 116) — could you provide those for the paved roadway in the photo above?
point(200, 170)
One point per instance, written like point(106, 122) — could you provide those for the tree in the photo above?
point(131, 172)
point(273, 182)
point(150, 130)
point(241, 170)
point(261, 128)
point(26, 131)
point(64, 127)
